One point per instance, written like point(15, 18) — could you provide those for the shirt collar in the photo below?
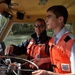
point(61, 33)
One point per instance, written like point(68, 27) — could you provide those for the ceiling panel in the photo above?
point(32, 7)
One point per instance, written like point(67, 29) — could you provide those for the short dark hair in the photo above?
point(59, 10)
point(41, 20)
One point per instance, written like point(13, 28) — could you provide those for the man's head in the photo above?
point(57, 15)
point(59, 10)
point(39, 26)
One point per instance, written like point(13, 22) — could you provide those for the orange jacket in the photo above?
point(60, 53)
point(38, 51)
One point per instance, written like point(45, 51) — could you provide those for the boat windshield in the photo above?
point(3, 21)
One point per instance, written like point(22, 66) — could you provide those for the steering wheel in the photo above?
point(7, 66)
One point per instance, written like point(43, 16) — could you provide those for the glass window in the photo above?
point(3, 21)
point(49, 32)
point(19, 33)
point(69, 26)
point(22, 31)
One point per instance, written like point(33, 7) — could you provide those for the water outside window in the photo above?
point(19, 33)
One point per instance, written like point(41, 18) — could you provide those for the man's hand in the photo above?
point(37, 61)
point(41, 72)
point(9, 50)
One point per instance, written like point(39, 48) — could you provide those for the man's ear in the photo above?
point(60, 19)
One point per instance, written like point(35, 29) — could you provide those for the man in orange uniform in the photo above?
point(62, 45)
point(36, 47)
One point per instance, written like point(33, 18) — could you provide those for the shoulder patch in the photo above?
point(67, 39)
point(69, 36)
